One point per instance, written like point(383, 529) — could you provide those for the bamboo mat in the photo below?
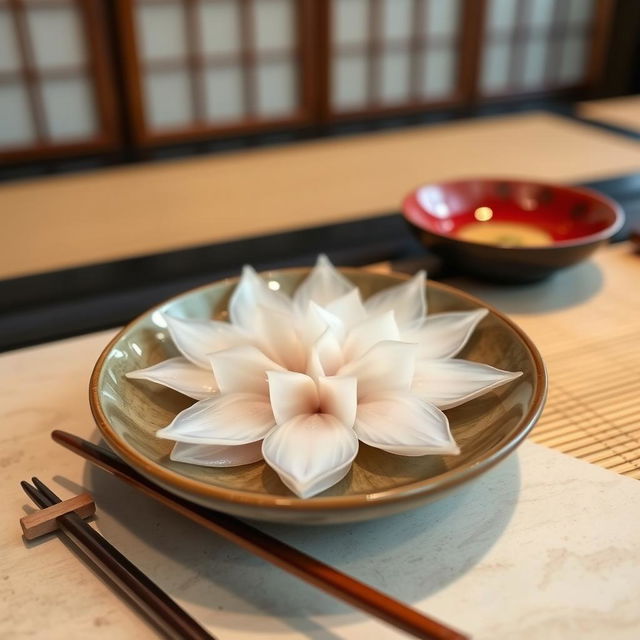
point(586, 323)
point(592, 353)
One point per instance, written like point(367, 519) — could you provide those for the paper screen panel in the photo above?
point(501, 15)
point(349, 82)
point(396, 20)
point(573, 61)
point(276, 94)
point(224, 93)
point(9, 54)
point(442, 18)
point(16, 126)
point(219, 24)
point(56, 35)
point(394, 84)
point(69, 109)
point(538, 13)
point(168, 99)
point(494, 77)
point(350, 22)
point(161, 30)
point(439, 73)
point(274, 25)
point(534, 63)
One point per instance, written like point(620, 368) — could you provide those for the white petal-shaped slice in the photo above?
point(278, 339)
point(323, 285)
point(310, 453)
point(448, 383)
point(181, 375)
point(349, 308)
point(291, 394)
point(443, 335)
point(325, 357)
point(408, 300)
point(387, 366)
point(316, 321)
point(368, 333)
point(243, 369)
point(339, 397)
point(216, 455)
point(252, 291)
point(228, 419)
point(405, 425)
point(196, 339)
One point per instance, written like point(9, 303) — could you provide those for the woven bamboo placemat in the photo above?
point(586, 324)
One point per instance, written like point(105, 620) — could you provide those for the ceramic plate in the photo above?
point(129, 412)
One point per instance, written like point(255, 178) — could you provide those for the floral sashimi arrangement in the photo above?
point(298, 381)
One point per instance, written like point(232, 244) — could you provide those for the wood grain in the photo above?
point(38, 523)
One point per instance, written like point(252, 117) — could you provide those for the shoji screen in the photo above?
point(204, 66)
point(537, 45)
point(388, 54)
point(54, 89)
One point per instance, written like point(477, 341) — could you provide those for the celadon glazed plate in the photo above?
point(129, 412)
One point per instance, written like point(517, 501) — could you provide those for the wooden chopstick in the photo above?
point(159, 608)
point(321, 575)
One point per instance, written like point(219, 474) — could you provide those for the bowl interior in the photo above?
point(129, 412)
point(511, 213)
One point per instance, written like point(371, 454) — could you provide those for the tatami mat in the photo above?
point(620, 112)
point(68, 221)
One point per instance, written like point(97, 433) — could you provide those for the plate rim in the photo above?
point(422, 488)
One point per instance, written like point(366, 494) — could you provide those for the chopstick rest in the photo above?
point(45, 521)
point(168, 617)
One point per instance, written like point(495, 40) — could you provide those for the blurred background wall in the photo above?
point(87, 83)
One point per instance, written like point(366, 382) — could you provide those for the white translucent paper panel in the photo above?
point(9, 56)
point(224, 93)
point(495, 67)
point(534, 64)
point(277, 91)
point(16, 128)
point(539, 13)
point(274, 24)
point(394, 84)
point(56, 35)
point(69, 108)
point(501, 15)
point(350, 21)
point(396, 19)
point(162, 30)
point(441, 18)
point(439, 73)
point(349, 82)
point(219, 23)
point(580, 11)
point(573, 63)
point(168, 99)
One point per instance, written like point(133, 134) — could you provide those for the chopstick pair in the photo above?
point(157, 606)
point(323, 576)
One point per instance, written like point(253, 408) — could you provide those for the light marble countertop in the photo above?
point(543, 546)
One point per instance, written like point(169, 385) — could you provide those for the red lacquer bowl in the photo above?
point(511, 230)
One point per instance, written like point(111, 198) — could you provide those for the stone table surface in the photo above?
point(543, 546)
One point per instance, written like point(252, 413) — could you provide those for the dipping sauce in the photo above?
point(505, 234)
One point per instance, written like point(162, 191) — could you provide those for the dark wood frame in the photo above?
point(465, 58)
point(304, 51)
point(123, 124)
point(600, 34)
point(99, 75)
